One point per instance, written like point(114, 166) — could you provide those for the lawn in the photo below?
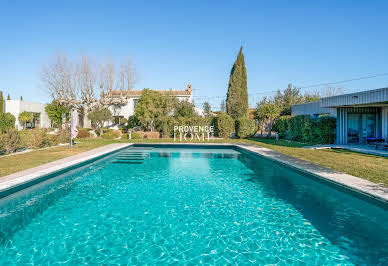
point(370, 167)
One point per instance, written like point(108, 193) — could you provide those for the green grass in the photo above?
point(370, 167)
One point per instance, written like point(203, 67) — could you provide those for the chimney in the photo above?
point(189, 88)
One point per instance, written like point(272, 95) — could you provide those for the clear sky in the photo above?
point(174, 43)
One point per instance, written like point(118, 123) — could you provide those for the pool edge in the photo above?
point(20, 180)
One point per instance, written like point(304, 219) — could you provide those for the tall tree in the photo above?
point(207, 111)
point(21, 98)
point(1, 102)
point(8, 97)
point(237, 96)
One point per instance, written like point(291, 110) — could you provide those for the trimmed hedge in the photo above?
point(304, 128)
point(223, 125)
point(245, 128)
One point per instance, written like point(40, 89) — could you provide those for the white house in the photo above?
point(15, 107)
point(132, 97)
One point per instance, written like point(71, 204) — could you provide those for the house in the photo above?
point(15, 107)
point(128, 100)
point(361, 116)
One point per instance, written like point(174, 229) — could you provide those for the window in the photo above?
point(135, 103)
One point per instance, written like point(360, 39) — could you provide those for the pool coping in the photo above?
point(10, 183)
point(355, 184)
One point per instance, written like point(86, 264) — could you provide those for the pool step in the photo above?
point(132, 157)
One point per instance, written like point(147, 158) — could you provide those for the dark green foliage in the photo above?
point(223, 125)
point(8, 97)
point(21, 98)
point(55, 111)
point(1, 102)
point(25, 117)
point(7, 121)
point(153, 107)
point(306, 129)
point(245, 127)
point(132, 122)
point(184, 109)
point(237, 96)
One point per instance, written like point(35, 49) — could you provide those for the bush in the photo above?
point(113, 134)
point(83, 133)
point(36, 138)
point(123, 121)
point(64, 135)
point(148, 134)
point(245, 127)
point(135, 135)
point(223, 125)
point(304, 128)
point(10, 140)
point(7, 121)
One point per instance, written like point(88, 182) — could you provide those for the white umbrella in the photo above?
point(74, 123)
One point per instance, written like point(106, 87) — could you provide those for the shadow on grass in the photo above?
point(348, 152)
point(280, 142)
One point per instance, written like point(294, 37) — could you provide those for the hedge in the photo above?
point(304, 128)
point(245, 128)
point(223, 125)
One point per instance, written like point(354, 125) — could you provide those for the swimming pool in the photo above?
point(214, 205)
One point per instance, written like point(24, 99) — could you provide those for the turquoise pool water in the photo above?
point(186, 206)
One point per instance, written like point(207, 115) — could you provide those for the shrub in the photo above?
point(123, 121)
point(10, 140)
point(36, 138)
point(245, 127)
point(223, 125)
point(83, 133)
point(148, 134)
point(304, 128)
point(114, 134)
point(135, 135)
point(51, 140)
point(7, 121)
point(64, 135)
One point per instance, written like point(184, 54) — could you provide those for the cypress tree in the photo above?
point(237, 96)
point(9, 97)
point(21, 98)
point(1, 102)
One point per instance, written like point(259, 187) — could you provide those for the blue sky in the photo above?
point(174, 43)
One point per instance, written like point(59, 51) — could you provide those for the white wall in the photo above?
point(15, 107)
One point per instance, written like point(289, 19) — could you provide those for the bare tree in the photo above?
point(58, 77)
point(86, 78)
point(127, 76)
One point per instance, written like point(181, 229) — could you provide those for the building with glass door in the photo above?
point(362, 117)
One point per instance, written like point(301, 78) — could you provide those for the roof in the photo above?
point(137, 93)
point(357, 98)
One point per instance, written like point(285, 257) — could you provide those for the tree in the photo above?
point(21, 98)
point(55, 111)
point(153, 108)
point(1, 102)
point(184, 109)
point(266, 113)
point(25, 117)
point(98, 117)
point(223, 107)
point(7, 121)
point(237, 96)
point(8, 97)
point(207, 111)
